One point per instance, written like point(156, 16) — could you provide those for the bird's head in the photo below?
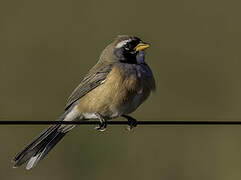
point(125, 49)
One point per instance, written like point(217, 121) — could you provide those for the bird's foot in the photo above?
point(103, 124)
point(101, 127)
point(131, 122)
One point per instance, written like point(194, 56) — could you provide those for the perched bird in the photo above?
point(114, 87)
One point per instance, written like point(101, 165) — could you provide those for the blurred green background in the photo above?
point(47, 46)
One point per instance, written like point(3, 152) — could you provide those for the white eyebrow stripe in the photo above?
point(122, 43)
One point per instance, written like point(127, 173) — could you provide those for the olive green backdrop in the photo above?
point(47, 46)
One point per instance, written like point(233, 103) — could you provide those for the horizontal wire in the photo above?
point(164, 122)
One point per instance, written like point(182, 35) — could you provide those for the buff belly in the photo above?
point(120, 93)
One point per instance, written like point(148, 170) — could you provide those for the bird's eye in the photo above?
point(126, 48)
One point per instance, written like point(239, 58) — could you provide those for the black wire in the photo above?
point(164, 122)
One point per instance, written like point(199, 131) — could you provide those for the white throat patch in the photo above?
point(122, 43)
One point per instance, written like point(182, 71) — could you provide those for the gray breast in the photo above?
point(140, 57)
point(141, 69)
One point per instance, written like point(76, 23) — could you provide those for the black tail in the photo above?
point(39, 147)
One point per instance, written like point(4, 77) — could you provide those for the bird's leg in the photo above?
point(131, 122)
point(103, 124)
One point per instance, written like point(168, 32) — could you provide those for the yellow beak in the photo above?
point(141, 46)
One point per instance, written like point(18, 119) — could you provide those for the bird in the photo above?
point(115, 87)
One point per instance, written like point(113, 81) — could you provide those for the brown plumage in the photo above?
point(114, 87)
point(117, 93)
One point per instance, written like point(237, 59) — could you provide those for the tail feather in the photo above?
point(42, 144)
point(39, 147)
point(35, 142)
point(44, 150)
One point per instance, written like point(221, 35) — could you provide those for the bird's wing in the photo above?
point(94, 78)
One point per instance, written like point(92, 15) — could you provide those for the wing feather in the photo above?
point(94, 78)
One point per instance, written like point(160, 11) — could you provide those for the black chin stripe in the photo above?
point(129, 61)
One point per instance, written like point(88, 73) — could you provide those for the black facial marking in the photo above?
point(127, 52)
